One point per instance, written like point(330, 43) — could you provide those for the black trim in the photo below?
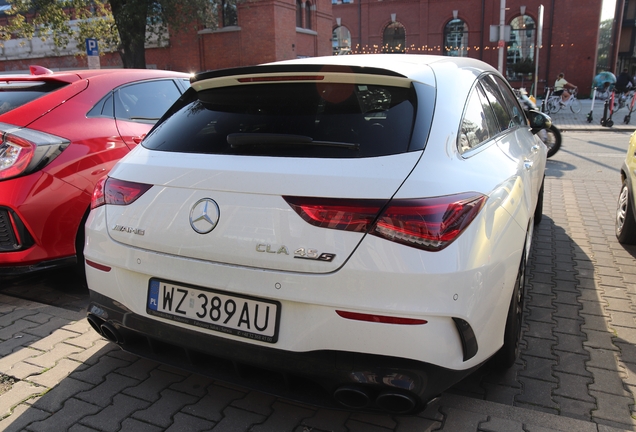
point(43, 265)
point(13, 236)
point(467, 336)
point(309, 377)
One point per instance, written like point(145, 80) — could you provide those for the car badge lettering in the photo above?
point(302, 253)
point(128, 229)
point(262, 247)
point(204, 215)
point(313, 254)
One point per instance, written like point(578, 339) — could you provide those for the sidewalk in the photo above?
point(566, 120)
point(67, 378)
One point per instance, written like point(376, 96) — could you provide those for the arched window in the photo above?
point(456, 38)
point(299, 13)
point(394, 38)
point(520, 54)
point(230, 15)
point(341, 41)
point(308, 15)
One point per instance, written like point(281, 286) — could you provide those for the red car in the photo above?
point(60, 132)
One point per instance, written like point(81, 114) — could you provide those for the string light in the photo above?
point(376, 49)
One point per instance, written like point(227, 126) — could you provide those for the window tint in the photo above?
point(14, 94)
point(145, 101)
point(103, 108)
point(498, 103)
point(296, 120)
point(478, 124)
point(514, 109)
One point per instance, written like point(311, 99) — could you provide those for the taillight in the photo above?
point(340, 214)
point(117, 192)
point(427, 223)
point(15, 156)
point(23, 151)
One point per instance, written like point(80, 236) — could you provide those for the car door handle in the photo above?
point(535, 148)
point(528, 164)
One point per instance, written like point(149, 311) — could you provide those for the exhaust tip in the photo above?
point(111, 333)
point(351, 397)
point(95, 322)
point(396, 403)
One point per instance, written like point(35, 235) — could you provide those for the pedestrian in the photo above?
point(623, 82)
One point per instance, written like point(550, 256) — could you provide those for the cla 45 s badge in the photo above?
point(303, 253)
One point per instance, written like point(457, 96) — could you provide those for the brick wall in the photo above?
point(570, 31)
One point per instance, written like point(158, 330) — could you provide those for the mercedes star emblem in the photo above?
point(204, 215)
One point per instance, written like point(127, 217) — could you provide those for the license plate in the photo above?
point(238, 315)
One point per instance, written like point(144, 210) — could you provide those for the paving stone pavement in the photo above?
point(576, 371)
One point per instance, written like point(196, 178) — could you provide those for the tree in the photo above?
point(121, 25)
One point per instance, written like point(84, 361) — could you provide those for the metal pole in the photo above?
point(502, 43)
point(539, 41)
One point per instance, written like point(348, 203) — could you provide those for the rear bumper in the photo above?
point(328, 378)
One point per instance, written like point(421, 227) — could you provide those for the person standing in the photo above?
point(561, 87)
point(623, 82)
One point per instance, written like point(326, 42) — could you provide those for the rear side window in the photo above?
point(478, 124)
point(143, 102)
point(290, 119)
point(14, 94)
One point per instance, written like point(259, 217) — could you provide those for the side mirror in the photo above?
point(539, 121)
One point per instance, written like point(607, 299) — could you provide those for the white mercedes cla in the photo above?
point(348, 231)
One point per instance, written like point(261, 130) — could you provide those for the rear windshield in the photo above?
point(295, 120)
point(14, 94)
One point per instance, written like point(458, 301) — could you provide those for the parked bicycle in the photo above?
point(622, 100)
point(553, 103)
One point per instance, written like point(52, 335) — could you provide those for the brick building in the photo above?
point(462, 27)
point(257, 31)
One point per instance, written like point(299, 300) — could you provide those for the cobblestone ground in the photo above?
point(576, 372)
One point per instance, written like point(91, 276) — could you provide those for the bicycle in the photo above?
point(621, 99)
point(553, 102)
point(631, 107)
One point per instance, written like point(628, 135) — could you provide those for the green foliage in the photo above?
point(122, 25)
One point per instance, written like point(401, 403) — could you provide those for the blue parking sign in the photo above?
point(91, 47)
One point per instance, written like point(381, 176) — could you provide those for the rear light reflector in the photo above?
point(380, 318)
point(98, 266)
point(427, 223)
point(117, 192)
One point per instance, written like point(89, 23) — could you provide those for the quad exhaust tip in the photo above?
point(392, 401)
point(105, 329)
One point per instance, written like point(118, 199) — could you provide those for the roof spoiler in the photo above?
point(39, 70)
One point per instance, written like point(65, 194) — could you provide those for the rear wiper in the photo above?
point(247, 139)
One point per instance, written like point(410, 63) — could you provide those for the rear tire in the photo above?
point(575, 106)
point(625, 225)
point(508, 353)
